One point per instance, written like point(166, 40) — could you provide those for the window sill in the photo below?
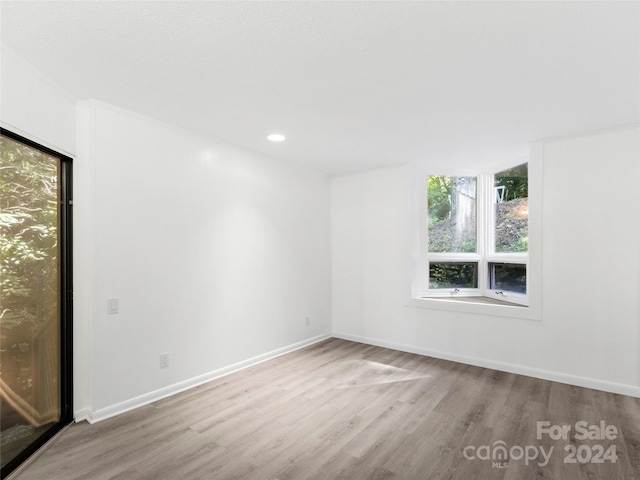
point(476, 300)
point(476, 305)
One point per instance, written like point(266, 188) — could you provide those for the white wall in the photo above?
point(589, 332)
point(34, 107)
point(216, 255)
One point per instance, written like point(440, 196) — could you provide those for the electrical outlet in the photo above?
point(307, 321)
point(164, 360)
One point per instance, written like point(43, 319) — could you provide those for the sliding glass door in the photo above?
point(35, 296)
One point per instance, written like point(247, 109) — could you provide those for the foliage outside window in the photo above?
point(28, 235)
point(511, 210)
point(477, 235)
point(452, 214)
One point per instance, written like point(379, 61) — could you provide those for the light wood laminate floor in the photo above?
point(344, 410)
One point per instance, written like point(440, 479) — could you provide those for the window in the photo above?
point(475, 240)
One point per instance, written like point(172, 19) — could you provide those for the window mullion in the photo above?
point(484, 230)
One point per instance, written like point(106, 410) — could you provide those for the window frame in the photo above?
point(482, 300)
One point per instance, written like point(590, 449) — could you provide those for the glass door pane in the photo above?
point(30, 295)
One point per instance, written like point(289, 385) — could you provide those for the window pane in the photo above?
point(452, 214)
point(511, 189)
point(509, 277)
point(453, 275)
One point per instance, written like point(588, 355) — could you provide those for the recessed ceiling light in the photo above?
point(276, 137)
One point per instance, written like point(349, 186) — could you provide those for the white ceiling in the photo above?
point(352, 85)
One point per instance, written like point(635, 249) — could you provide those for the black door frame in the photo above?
point(66, 301)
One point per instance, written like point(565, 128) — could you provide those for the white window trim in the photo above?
point(446, 299)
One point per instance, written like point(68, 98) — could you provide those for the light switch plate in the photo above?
point(113, 306)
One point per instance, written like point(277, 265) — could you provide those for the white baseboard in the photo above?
point(82, 415)
point(122, 407)
point(595, 384)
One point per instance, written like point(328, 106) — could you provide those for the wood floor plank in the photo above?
point(344, 410)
